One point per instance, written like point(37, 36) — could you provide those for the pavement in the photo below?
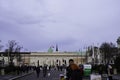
point(13, 76)
point(6, 77)
point(54, 75)
point(20, 76)
point(116, 77)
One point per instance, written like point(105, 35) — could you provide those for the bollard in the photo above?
point(105, 76)
point(2, 72)
point(62, 77)
point(115, 71)
point(48, 74)
point(95, 77)
point(110, 78)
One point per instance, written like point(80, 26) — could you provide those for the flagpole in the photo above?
point(93, 54)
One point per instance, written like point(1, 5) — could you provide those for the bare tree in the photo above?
point(118, 40)
point(1, 46)
point(17, 51)
point(13, 50)
point(107, 50)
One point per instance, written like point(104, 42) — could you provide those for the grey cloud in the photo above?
point(70, 24)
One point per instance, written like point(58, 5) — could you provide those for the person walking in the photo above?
point(100, 70)
point(38, 71)
point(110, 72)
point(73, 71)
point(44, 70)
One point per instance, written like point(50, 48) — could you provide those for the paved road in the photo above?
point(54, 75)
point(6, 77)
point(11, 76)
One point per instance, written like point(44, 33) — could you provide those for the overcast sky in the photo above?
point(72, 24)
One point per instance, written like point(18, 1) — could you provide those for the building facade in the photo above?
point(56, 58)
point(41, 58)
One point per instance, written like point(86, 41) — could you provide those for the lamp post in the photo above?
point(24, 58)
point(86, 55)
point(78, 56)
point(118, 45)
point(81, 56)
point(98, 54)
point(8, 57)
point(2, 70)
point(2, 60)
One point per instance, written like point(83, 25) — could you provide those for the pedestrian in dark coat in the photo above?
point(44, 70)
point(38, 71)
point(73, 71)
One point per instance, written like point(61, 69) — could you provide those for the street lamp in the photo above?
point(78, 57)
point(118, 45)
point(86, 56)
point(78, 52)
point(2, 60)
point(8, 57)
point(81, 55)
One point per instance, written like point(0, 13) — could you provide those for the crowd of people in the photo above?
point(46, 69)
point(72, 72)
